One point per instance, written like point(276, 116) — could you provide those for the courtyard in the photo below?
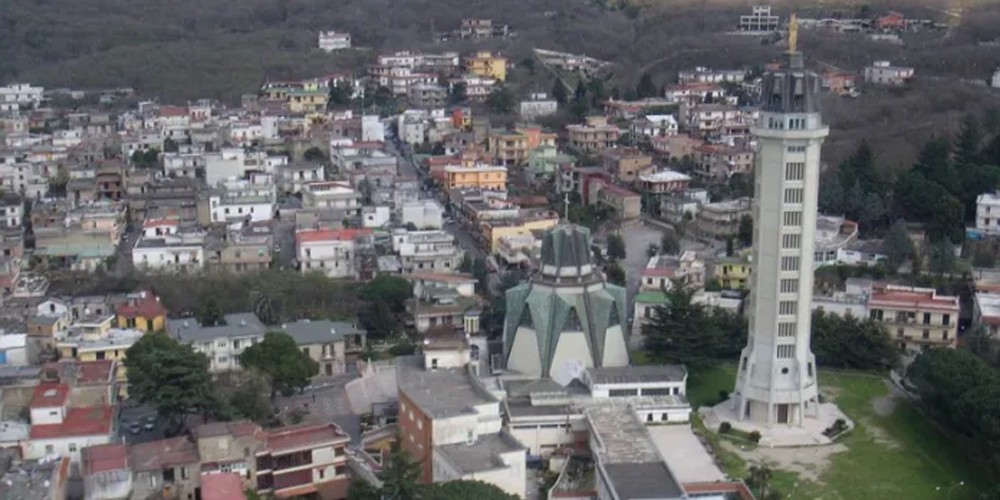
point(894, 452)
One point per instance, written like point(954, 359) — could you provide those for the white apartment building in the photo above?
point(292, 178)
point(537, 105)
point(988, 212)
point(425, 214)
point(655, 126)
point(244, 200)
point(332, 194)
point(426, 251)
point(330, 41)
point(59, 429)
point(884, 73)
point(22, 95)
point(235, 163)
point(333, 252)
point(222, 344)
point(163, 247)
point(183, 164)
point(12, 210)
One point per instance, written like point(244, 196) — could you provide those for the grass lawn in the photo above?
point(901, 455)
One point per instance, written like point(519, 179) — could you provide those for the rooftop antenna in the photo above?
point(566, 207)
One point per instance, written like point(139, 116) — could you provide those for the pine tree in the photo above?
point(968, 142)
point(646, 87)
point(559, 91)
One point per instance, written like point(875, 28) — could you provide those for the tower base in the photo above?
point(809, 433)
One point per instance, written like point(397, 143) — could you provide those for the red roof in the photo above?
point(79, 422)
point(898, 297)
point(49, 394)
point(222, 486)
point(104, 458)
point(173, 111)
point(290, 438)
point(146, 305)
point(160, 222)
point(330, 235)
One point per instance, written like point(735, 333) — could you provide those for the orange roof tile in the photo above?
point(79, 422)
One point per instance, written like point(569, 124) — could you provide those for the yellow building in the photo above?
point(494, 231)
point(487, 64)
point(917, 318)
point(97, 341)
point(475, 177)
point(307, 101)
point(733, 273)
point(142, 311)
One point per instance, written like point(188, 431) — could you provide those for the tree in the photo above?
point(388, 289)
point(379, 320)
point(501, 101)
point(646, 87)
point(170, 377)
point(897, 245)
point(279, 357)
point(669, 243)
point(399, 477)
point(745, 232)
point(559, 91)
point(852, 343)
point(464, 490)
point(457, 93)
point(262, 306)
point(314, 154)
point(341, 93)
point(941, 257)
point(615, 273)
point(481, 273)
point(759, 479)
point(616, 247)
point(580, 94)
point(968, 141)
point(683, 332)
point(250, 399)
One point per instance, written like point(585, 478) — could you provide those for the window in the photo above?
point(786, 329)
point(72, 447)
point(49, 449)
point(791, 241)
point(787, 307)
point(321, 473)
point(789, 286)
point(797, 149)
point(927, 318)
point(900, 333)
point(184, 473)
point(944, 334)
point(945, 319)
point(789, 263)
point(926, 334)
point(876, 314)
point(786, 351)
point(794, 171)
point(793, 219)
point(222, 359)
point(793, 195)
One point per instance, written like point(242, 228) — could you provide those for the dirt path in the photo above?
point(808, 462)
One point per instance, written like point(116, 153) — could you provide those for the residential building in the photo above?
point(141, 310)
point(833, 235)
point(427, 95)
point(988, 212)
point(543, 164)
point(330, 41)
point(443, 303)
point(663, 182)
point(60, 429)
point(626, 204)
point(630, 110)
point(917, 318)
point(20, 95)
point(487, 177)
point(79, 238)
point(701, 74)
point(654, 126)
point(995, 80)
point(987, 312)
point(717, 162)
point(593, 136)
point(327, 342)
point(332, 194)
point(839, 83)
point(337, 253)
point(851, 301)
point(42, 479)
point(626, 163)
point(222, 343)
point(716, 120)
point(487, 64)
point(884, 73)
point(525, 225)
point(243, 200)
point(733, 273)
point(721, 219)
point(246, 247)
point(293, 177)
point(450, 425)
point(424, 214)
point(303, 460)
point(694, 93)
point(659, 277)
point(222, 486)
point(426, 251)
point(106, 472)
point(760, 20)
point(569, 291)
point(537, 105)
point(168, 467)
point(511, 148)
point(163, 246)
point(483, 29)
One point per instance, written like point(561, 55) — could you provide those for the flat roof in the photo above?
point(481, 456)
point(637, 374)
point(49, 394)
point(989, 307)
point(439, 393)
point(642, 480)
point(94, 421)
point(290, 438)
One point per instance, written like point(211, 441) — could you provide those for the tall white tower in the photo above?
point(776, 378)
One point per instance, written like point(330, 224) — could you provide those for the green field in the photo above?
point(900, 455)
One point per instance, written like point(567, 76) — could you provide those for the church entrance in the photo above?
point(782, 414)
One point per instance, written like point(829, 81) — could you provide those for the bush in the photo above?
point(725, 427)
point(723, 396)
point(754, 436)
point(404, 349)
point(838, 427)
